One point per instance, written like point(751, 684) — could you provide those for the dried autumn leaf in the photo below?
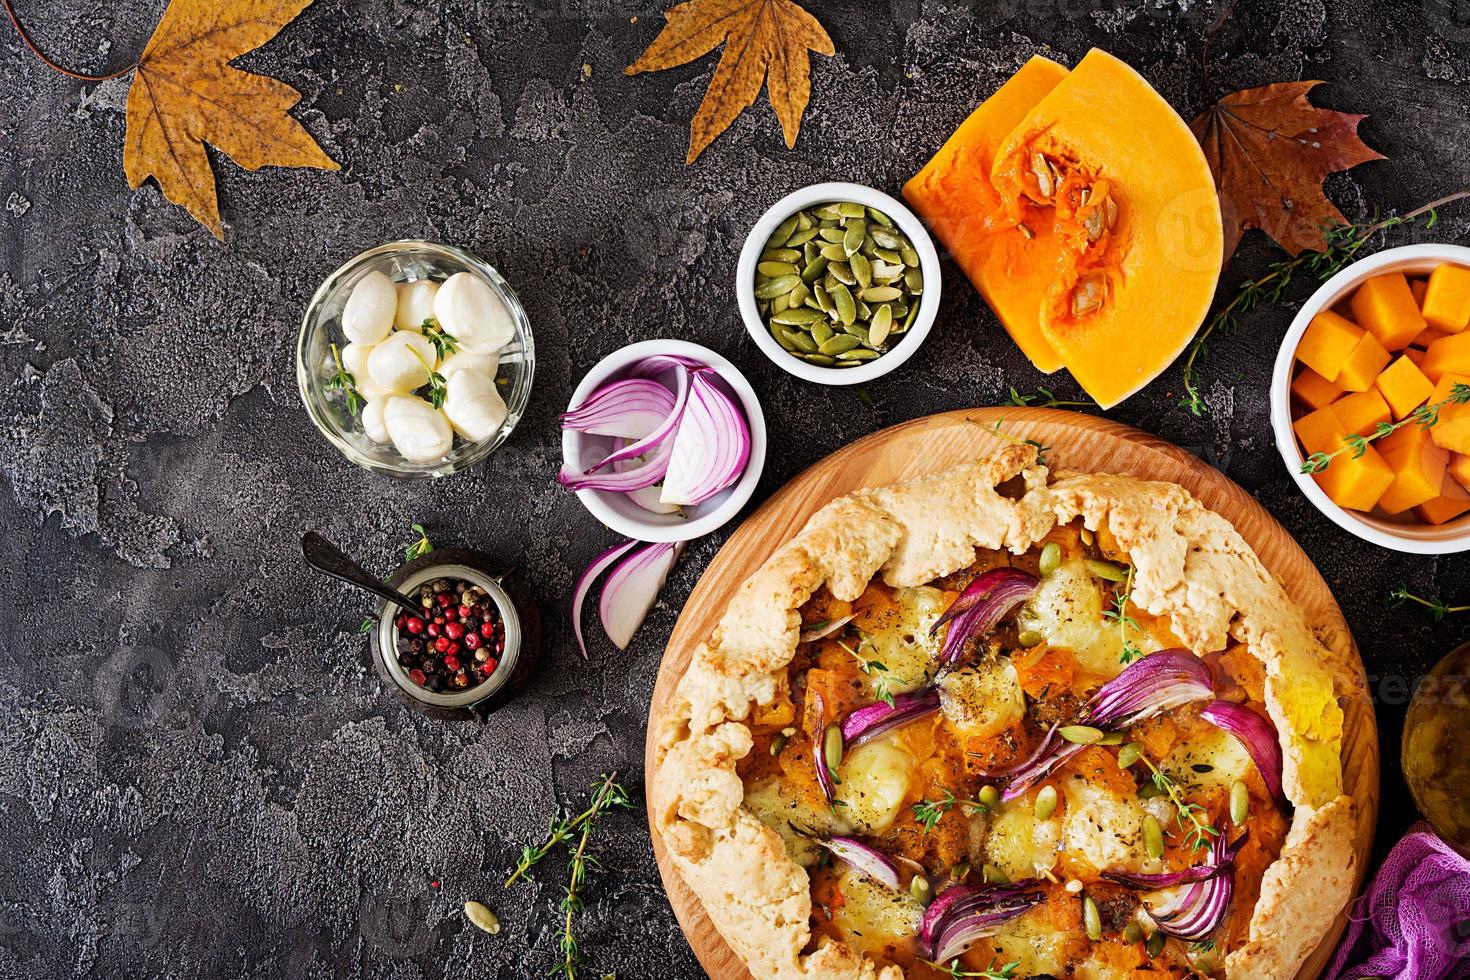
point(1270, 149)
point(765, 41)
point(185, 94)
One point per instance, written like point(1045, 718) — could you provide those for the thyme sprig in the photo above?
point(1426, 416)
point(436, 384)
point(1400, 594)
point(1343, 245)
point(419, 546)
point(1045, 398)
point(443, 341)
point(1127, 625)
point(607, 794)
point(996, 430)
point(1197, 834)
point(344, 380)
point(929, 812)
point(1006, 971)
point(875, 669)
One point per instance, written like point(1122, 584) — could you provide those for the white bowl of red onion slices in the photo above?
point(664, 440)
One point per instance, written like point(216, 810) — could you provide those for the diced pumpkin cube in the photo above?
point(1429, 336)
point(1417, 356)
point(1327, 342)
point(1320, 431)
point(1459, 469)
point(1418, 287)
point(1314, 390)
point(1453, 500)
point(1385, 307)
point(1447, 299)
point(1364, 364)
point(1361, 411)
point(1449, 354)
point(1403, 386)
point(1417, 477)
point(1356, 484)
point(1403, 439)
point(1452, 431)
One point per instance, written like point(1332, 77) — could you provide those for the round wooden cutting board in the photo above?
point(928, 445)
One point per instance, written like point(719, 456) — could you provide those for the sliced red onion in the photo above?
point(1193, 912)
point(662, 431)
point(645, 497)
point(869, 861)
point(880, 717)
point(1043, 748)
point(1258, 736)
point(819, 751)
point(645, 474)
point(1060, 752)
point(1161, 681)
point(627, 409)
point(985, 602)
point(964, 914)
point(631, 588)
point(1169, 879)
point(711, 446)
point(819, 631)
point(656, 364)
point(584, 586)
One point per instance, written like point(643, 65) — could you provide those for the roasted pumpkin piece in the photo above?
point(1404, 438)
point(1449, 354)
point(1418, 474)
point(954, 196)
point(1366, 361)
point(1429, 336)
point(1356, 484)
point(1416, 355)
point(1452, 431)
point(1385, 307)
point(1313, 390)
point(1447, 298)
point(1320, 431)
point(1328, 342)
point(1453, 500)
point(1419, 287)
point(1459, 468)
point(1403, 386)
point(1137, 243)
point(1361, 411)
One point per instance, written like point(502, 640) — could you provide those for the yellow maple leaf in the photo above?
point(766, 41)
point(185, 93)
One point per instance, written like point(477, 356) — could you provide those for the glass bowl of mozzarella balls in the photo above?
point(415, 359)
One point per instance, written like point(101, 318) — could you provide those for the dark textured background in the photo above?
point(199, 774)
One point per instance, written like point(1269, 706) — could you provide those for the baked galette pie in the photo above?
point(995, 723)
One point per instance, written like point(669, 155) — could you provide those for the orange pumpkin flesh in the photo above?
point(954, 194)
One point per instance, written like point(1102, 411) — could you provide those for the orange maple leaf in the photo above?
point(185, 93)
point(1270, 149)
point(766, 41)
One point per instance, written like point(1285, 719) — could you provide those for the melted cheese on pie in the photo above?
point(1101, 829)
point(1032, 942)
point(1019, 844)
point(1068, 610)
point(773, 807)
point(875, 780)
point(872, 917)
point(904, 646)
point(1210, 759)
point(982, 699)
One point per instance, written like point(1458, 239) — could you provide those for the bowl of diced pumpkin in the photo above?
point(1369, 403)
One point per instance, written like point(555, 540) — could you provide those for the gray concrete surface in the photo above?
point(200, 776)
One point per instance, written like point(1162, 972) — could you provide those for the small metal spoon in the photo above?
point(326, 557)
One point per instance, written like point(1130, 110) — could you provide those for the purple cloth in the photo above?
point(1414, 922)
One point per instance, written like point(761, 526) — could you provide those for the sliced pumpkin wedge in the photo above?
point(1136, 244)
point(954, 195)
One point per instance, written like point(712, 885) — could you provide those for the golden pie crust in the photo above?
point(1190, 564)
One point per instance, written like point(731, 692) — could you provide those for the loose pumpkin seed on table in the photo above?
point(838, 284)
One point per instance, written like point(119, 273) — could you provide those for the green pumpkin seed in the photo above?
point(853, 238)
point(922, 891)
point(862, 269)
point(885, 237)
point(804, 221)
point(835, 252)
point(1129, 755)
point(783, 337)
point(803, 341)
point(820, 360)
point(1107, 570)
point(1029, 639)
point(782, 233)
point(994, 875)
point(1149, 790)
point(810, 251)
point(1050, 560)
point(832, 747)
point(881, 294)
point(913, 278)
point(1155, 944)
point(814, 269)
point(1111, 738)
point(1240, 803)
point(840, 344)
point(481, 916)
point(960, 871)
point(857, 330)
point(880, 217)
point(799, 317)
point(865, 312)
point(801, 237)
point(909, 256)
point(1046, 803)
point(860, 354)
point(887, 255)
point(800, 293)
point(988, 797)
point(774, 269)
point(780, 255)
point(1091, 920)
point(782, 302)
point(1081, 734)
point(821, 332)
point(911, 316)
point(833, 236)
point(842, 272)
point(778, 286)
point(888, 273)
point(846, 308)
point(880, 326)
point(1153, 837)
point(778, 743)
point(1133, 933)
point(823, 298)
point(828, 212)
point(850, 210)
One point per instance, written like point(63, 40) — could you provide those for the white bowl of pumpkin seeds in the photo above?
point(838, 283)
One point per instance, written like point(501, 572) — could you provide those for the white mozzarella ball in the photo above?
point(368, 315)
point(462, 360)
point(419, 431)
point(415, 304)
point(355, 362)
point(470, 312)
point(473, 405)
point(373, 423)
point(398, 363)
